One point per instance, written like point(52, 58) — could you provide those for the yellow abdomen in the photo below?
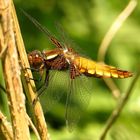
point(91, 68)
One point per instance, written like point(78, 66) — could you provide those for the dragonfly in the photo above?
point(64, 58)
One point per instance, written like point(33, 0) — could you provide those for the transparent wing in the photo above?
point(57, 87)
point(66, 40)
point(78, 99)
point(42, 28)
point(63, 36)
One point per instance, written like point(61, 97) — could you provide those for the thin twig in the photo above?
point(2, 40)
point(114, 29)
point(29, 85)
point(5, 127)
point(4, 49)
point(115, 114)
point(11, 71)
point(33, 127)
point(113, 87)
point(108, 38)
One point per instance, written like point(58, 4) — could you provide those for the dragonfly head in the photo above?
point(35, 58)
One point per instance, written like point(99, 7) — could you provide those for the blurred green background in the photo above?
point(86, 22)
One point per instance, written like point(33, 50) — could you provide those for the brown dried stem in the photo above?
point(101, 55)
point(114, 28)
point(11, 71)
point(33, 127)
point(29, 85)
point(5, 128)
point(115, 114)
point(108, 38)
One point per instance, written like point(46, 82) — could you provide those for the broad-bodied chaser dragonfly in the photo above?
point(64, 58)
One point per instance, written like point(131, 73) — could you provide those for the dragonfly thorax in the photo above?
point(69, 55)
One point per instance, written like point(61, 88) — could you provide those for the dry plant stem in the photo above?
point(2, 41)
point(11, 71)
point(101, 55)
point(29, 85)
point(108, 38)
point(114, 29)
point(5, 127)
point(33, 127)
point(112, 86)
point(115, 114)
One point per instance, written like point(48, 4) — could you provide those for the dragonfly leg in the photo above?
point(45, 84)
point(74, 72)
point(43, 87)
point(35, 70)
